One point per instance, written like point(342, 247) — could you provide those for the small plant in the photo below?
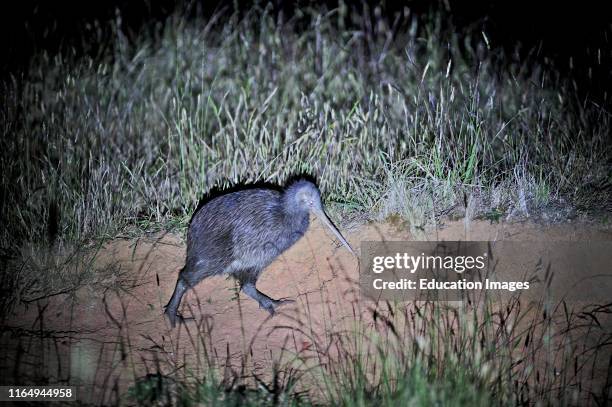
point(494, 215)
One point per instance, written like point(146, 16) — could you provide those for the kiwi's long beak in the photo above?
point(320, 213)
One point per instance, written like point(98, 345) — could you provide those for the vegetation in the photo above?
point(481, 353)
point(417, 123)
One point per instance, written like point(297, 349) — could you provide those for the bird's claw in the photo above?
point(283, 301)
point(176, 318)
point(272, 304)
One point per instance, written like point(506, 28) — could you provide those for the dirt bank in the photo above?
point(106, 335)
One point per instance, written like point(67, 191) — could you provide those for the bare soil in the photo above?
point(104, 336)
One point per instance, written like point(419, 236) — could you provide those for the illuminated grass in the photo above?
point(136, 136)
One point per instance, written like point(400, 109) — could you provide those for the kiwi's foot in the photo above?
point(175, 318)
point(270, 305)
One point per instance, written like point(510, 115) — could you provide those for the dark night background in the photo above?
point(551, 32)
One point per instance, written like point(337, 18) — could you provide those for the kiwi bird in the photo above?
point(241, 233)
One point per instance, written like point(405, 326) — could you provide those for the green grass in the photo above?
point(134, 137)
point(481, 353)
